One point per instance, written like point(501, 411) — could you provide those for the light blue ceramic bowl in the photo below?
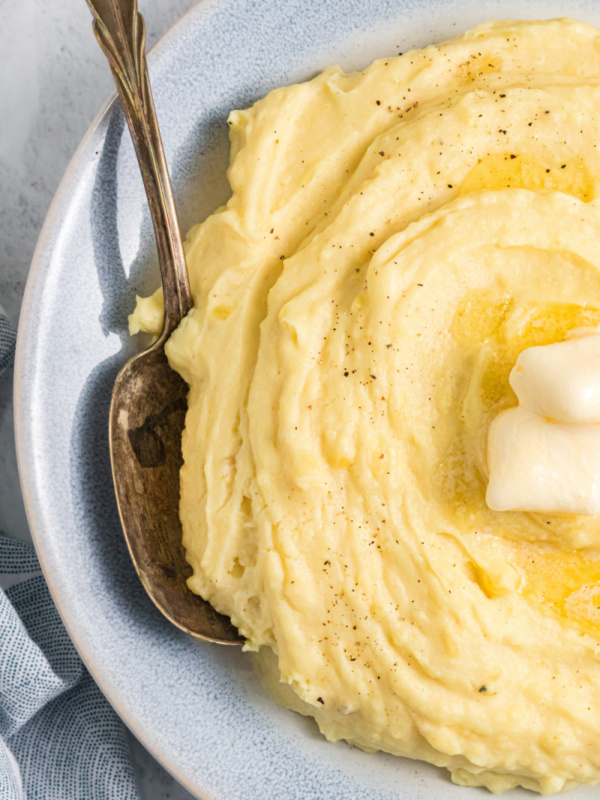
point(196, 706)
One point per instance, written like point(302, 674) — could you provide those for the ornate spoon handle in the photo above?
point(121, 33)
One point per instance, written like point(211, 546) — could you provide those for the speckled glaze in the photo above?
point(197, 707)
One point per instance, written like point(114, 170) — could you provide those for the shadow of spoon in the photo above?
point(149, 400)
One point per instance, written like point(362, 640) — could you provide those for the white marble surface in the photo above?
point(53, 81)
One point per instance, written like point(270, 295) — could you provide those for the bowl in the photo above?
point(197, 707)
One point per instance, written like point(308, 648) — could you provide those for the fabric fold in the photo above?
point(59, 737)
point(8, 340)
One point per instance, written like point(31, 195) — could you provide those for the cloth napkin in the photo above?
point(59, 737)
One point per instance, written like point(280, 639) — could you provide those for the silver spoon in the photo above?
point(147, 412)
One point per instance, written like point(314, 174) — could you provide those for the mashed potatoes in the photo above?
point(394, 240)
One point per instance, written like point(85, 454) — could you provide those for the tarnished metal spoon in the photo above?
point(147, 412)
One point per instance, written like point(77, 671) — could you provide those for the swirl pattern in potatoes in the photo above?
point(395, 238)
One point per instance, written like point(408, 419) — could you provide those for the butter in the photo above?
point(544, 455)
point(539, 465)
point(561, 381)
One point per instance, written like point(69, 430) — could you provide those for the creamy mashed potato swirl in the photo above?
point(395, 238)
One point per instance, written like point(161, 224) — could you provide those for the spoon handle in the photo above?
point(121, 33)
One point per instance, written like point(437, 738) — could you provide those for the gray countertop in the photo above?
point(53, 81)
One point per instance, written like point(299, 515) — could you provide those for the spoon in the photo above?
point(147, 412)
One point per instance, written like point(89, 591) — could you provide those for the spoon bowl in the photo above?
point(147, 417)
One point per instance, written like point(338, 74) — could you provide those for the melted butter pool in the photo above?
point(524, 171)
point(568, 584)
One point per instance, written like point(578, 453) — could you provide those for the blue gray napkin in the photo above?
point(59, 737)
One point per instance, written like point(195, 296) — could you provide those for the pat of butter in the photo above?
point(544, 455)
point(539, 465)
point(561, 381)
